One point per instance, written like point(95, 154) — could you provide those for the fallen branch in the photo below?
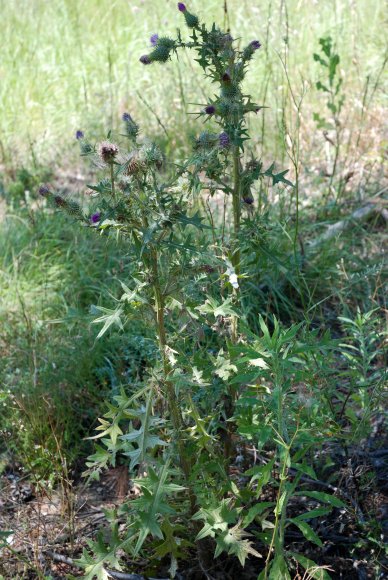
point(113, 573)
point(358, 215)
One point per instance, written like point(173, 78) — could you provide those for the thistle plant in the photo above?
point(178, 429)
point(156, 219)
point(220, 157)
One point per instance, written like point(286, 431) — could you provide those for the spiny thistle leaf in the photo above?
point(151, 505)
point(142, 437)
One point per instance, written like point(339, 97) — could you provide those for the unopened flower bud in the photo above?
point(145, 59)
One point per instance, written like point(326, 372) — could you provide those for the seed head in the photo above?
point(154, 39)
point(79, 135)
point(95, 217)
point(210, 110)
point(145, 59)
point(181, 7)
point(59, 201)
point(135, 165)
point(224, 140)
point(108, 151)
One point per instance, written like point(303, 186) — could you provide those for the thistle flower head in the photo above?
point(154, 39)
point(249, 50)
point(226, 78)
point(145, 59)
point(255, 44)
point(79, 135)
point(95, 217)
point(108, 151)
point(191, 19)
point(248, 198)
point(223, 140)
point(131, 127)
point(43, 190)
point(210, 110)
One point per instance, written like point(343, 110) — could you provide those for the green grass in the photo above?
point(68, 64)
point(54, 374)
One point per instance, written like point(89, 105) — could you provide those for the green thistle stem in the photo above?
point(173, 406)
point(112, 180)
point(236, 224)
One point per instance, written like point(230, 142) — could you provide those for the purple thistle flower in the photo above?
point(223, 139)
point(154, 39)
point(248, 199)
point(43, 190)
point(126, 117)
point(181, 7)
point(95, 217)
point(79, 135)
point(255, 44)
point(210, 109)
point(145, 59)
point(226, 78)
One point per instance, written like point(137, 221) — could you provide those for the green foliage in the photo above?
point(95, 567)
point(329, 62)
point(229, 538)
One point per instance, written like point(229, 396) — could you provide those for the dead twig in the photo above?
point(359, 214)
